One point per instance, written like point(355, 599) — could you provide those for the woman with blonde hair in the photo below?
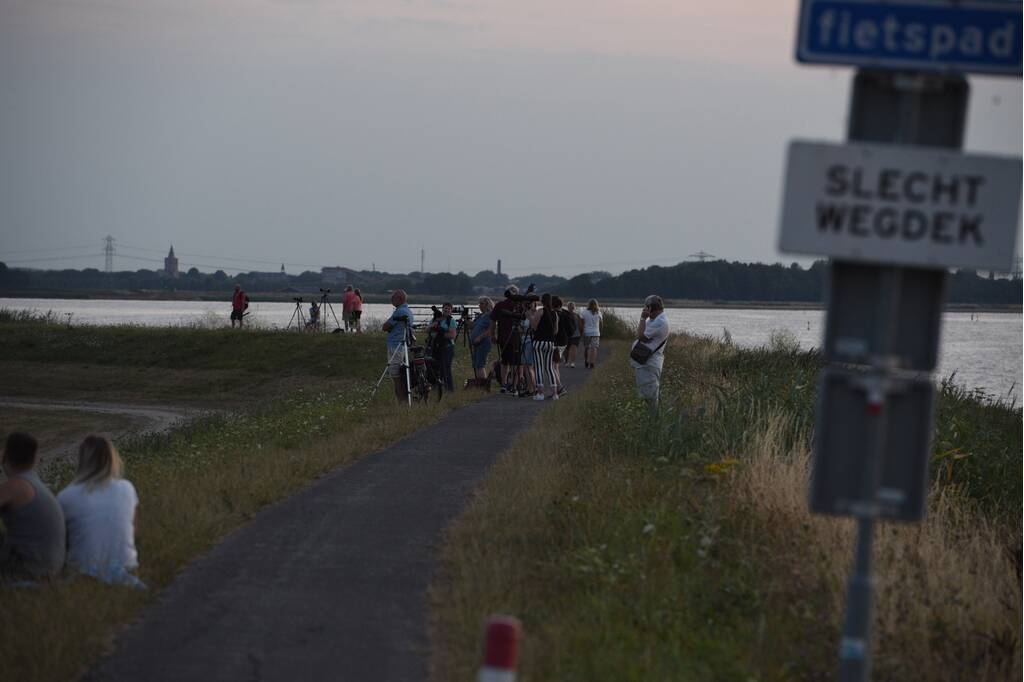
point(100, 509)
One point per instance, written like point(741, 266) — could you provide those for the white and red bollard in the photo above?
point(501, 649)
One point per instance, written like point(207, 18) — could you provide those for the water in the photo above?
point(984, 352)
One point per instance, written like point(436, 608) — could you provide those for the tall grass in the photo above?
point(680, 547)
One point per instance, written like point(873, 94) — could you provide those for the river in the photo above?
point(984, 350)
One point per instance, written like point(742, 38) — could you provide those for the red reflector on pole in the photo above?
point(501, 649)
point(874, 409)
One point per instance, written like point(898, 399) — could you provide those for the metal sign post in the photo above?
point(894, 213)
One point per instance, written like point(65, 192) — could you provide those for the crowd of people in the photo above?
point(535, 338)
point(89, 527)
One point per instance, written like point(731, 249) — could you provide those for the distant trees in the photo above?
point(708, 281)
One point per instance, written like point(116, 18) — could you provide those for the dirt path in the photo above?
point(331, 583)
point(153, 417)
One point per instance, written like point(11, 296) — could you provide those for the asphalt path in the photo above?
point(331, 583)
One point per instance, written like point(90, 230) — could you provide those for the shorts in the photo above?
point(511, 355)
point(395, 359)
point(236, 314)
point(591, 341)
point(480, 353)
point(355, 315)
point(574, 341)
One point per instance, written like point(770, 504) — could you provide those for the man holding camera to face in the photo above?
point(397, 327)
point(647, 355)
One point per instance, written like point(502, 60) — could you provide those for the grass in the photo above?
point(681, 547)
point(199, 481)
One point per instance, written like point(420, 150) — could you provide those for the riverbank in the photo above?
point(291, 407)
point(681, 548)
point(288, 297)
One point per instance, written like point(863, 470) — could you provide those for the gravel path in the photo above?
point(331, 583)
point(155, 417)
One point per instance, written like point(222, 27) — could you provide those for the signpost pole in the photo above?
point(903, 99)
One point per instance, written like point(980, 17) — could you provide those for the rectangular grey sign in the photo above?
point(900, 205)
point(844, 438)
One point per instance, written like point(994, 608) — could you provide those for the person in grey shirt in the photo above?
point(34, 545)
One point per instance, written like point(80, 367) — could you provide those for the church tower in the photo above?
point(171, 264)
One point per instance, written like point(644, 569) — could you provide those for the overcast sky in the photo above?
point(559, 136)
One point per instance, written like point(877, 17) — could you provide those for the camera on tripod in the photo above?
point(297, 299)
point(325, 291)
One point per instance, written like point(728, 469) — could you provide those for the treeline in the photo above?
point(699, 281)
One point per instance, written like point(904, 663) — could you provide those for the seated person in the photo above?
point(33, 546)
point(101, 509)
point(314, 316)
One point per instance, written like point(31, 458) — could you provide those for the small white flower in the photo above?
point(648, 529)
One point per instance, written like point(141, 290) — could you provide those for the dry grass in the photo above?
point(682, 548)
point(949, 594)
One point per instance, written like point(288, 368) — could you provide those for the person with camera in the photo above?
point(480, 339)
point(346, 307)
point(239, 303)
point(544, 322)
point(506, 316)
point(397, 327)
point(443, 329)
point(647, 356)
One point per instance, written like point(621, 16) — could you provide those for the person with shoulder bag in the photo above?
point(647, 356)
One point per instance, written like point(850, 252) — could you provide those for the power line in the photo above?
point(53, 248)
point(43, 260)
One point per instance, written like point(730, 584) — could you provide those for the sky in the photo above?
point(560, 137)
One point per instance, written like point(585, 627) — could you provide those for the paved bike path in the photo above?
point(329, 584)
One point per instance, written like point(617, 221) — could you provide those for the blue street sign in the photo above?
point(966, 36)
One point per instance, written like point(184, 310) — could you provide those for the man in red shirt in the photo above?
point(239, 302)
point(503, 322)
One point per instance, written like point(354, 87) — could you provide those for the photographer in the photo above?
point(647, 355)
point(444, 328)
point(397, 327)
point(480, 338)
point(505, 316)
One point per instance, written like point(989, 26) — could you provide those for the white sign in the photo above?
point(901, 205)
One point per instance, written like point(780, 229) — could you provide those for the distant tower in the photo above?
point(702, 256)
point(499, 266)
point(282, 270)
point(171, 264)
point(108, 251)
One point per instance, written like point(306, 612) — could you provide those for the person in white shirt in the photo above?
point(652, 332)
point(100, 509)
point(591, 333)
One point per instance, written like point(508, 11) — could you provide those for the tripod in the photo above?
point(298, 317)
point(402, 348)
point(325, 305)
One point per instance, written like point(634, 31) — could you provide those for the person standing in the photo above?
point(647, 355)
point(544, 323)
point(591, 333)
point(480, 339)
point(446, 327)
point(561, 340)
point(505, 317)
point(346, 307)
point(575, 331)
point(34, 545)
point(101, 510)
point(357, 311)
point(239, 303)
point(397, 327)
